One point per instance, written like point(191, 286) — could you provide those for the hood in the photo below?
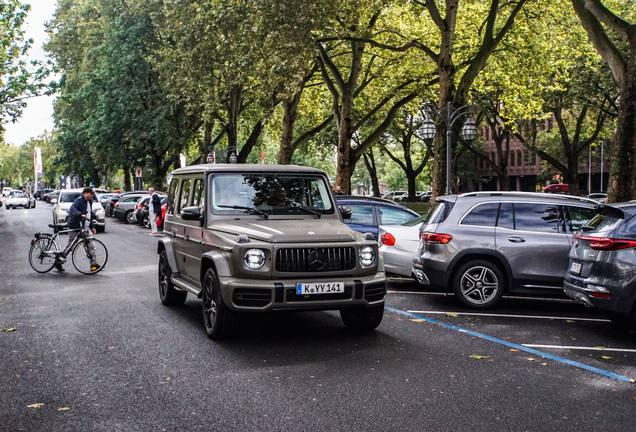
point(289, 230)
point(16, 200)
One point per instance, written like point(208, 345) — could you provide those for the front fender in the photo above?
point(220, 263)
point(166, 244)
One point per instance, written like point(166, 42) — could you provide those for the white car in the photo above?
point(20, 199)
point(64, 202)
point(398, 245)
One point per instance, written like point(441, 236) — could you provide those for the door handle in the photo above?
point(516, 239)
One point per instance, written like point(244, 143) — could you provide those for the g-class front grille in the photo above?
point(311, 260)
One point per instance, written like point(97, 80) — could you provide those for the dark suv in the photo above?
point(255, 238)
point(481, 244)
point(602, 271)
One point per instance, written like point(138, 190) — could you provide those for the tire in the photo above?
point(167, 293)
point(39, 262)
point(33, 204)
point(362, 318)
point(479, 284)
point(621, 321)
point(218, 320)
point(81, 260)
point(129, 217)
point(146, 221)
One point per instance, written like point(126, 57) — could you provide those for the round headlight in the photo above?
point(367, 256)
point(254, 259)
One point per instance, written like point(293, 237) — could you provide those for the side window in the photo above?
point(199, 194)
point(506, 216)
point(578, 216)
point(390, 216)
point(537, 217)
point(171, 196)
point(482, 215)
point(184, 195)
point(360, 215)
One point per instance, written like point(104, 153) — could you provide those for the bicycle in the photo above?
point(46, 251)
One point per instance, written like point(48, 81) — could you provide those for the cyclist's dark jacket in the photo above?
point(78, 208)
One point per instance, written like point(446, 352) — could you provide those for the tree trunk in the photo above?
point(234, 106)
point(369, 162)
point(127, 184)
point(626, 132)
point(251, 141)
point(286, 151)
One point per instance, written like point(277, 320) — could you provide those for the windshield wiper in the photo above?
point(250, 210)
point(587, 228)
point(310, 211)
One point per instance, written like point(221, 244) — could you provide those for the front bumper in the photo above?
point(259, 295)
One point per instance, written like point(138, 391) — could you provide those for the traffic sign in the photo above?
point(138, 172)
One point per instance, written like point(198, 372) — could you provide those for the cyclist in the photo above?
point(81, 217)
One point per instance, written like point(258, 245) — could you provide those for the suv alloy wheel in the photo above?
point(479, 284)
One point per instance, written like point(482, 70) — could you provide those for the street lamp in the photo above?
point(449, 115)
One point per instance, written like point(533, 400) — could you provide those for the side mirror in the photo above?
point(345, 212)
point(191, 213)
point(53, 201)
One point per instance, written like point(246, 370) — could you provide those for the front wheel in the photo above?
point(167, 293)
point(217, 318)
point(362, 318)
point(92, 259)
point(146, 221)
point(41, 255)
point(479, 284)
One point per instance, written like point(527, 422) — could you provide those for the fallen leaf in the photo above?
point(569, 321)
point(491, 360)
point(469, 318)
point(10, 329)
point(544, 364)
point(600, 347)
point(451, 315)
point(605, 357)
point(478, 356)
point(111, 347)
point(63, 409)
point(35, 405)
point(514, 350)
point(417, 320)
point(531, 359)
point(168, 379)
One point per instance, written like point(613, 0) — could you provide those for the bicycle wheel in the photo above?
point(82, 257)
point(39, 255)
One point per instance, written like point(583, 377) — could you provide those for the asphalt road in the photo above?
point(101, 353)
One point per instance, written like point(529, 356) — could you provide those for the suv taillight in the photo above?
point(435, 238)
point(604, 243)
point(387, 239)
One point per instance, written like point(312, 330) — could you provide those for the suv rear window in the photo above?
point(439, 212)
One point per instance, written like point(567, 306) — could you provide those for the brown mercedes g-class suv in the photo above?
point(255, 238)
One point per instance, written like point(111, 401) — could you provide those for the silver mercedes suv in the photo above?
point(255, 238)
point(481, 245)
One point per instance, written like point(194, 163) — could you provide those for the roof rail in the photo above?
point(527, 194)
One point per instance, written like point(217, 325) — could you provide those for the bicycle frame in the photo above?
point(55, 239)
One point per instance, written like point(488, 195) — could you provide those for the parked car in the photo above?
point(405, 196)
point(255, 238)
point(110, 202)
point(426, 196)
point(161, 218)
point(19, 199)
point(367, 213)
point(602, 269)
point(62, 206)
point(38, 193)
point(557, 189)
point(51, 198)
point(481, 244)
point(6, 190)
point(141, 214)
point(391, 195)
point(398, 244)
point(103, 198)
point(123, 209)
point(598, 196)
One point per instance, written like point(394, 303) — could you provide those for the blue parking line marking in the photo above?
point(516, 346)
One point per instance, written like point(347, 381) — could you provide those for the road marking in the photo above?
point(551, 299)
point(148, 268)
point(511, 316)
point(580, 348)
point(516, 346)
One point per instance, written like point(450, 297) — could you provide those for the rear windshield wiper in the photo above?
point(310, 211)
point(587, 228)
point(250, 210)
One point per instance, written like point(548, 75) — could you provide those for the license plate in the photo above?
point(319, 288)
point(575, 268)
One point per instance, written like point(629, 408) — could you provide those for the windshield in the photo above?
point(69, 197)
point(19, 195)
point(273, 194)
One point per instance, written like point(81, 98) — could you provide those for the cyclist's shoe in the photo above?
point(58, 267)
point(95, 267)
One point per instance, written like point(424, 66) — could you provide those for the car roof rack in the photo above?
point(527, 194)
